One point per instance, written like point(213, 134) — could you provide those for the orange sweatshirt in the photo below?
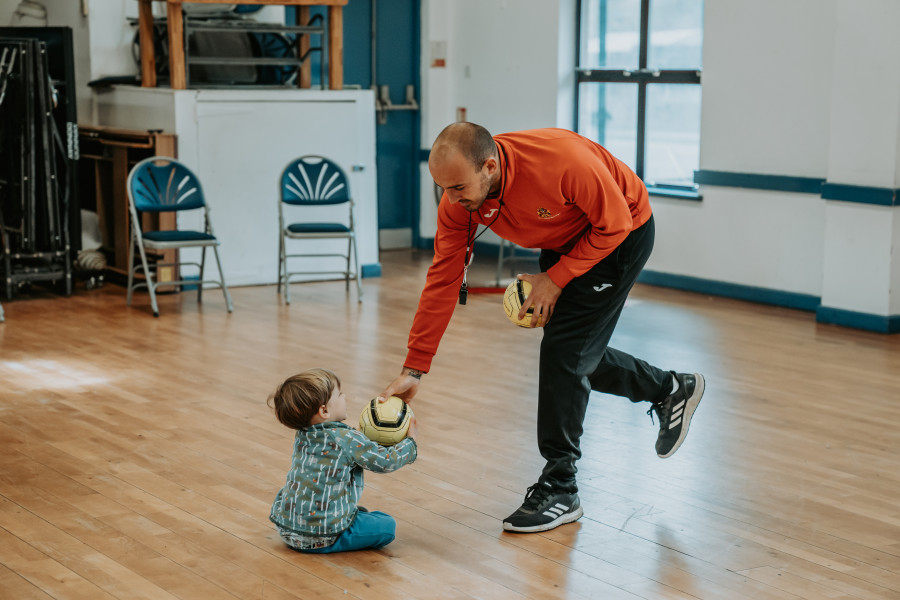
point(559, 191)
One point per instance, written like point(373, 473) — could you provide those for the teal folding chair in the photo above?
point(161, 184)
point(311, 181)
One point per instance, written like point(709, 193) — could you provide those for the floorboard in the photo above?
point(138, 458)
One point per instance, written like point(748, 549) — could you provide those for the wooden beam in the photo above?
point(304, 75)
point(148, 55)
point(177, 79)
point(335, 47)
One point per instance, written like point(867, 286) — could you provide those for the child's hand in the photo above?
point(413, 429)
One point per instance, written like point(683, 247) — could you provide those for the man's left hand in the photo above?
point(544, 294)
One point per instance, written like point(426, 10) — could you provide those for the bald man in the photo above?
point(590, 215)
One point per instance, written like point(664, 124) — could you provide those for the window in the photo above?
point(638, 80)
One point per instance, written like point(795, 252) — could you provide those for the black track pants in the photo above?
point(575, 358)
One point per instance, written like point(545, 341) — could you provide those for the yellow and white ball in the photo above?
point(514, 298)
point(386, 422)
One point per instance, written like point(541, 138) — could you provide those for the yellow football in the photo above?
point(385, 422)
point(514, 298)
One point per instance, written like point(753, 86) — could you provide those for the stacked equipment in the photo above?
point(35, 187)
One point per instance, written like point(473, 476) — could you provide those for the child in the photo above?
point(316, 510)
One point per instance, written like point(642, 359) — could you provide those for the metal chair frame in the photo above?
point(331, 187)
point(163, 203)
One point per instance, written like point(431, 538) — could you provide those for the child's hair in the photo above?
point(298, 399)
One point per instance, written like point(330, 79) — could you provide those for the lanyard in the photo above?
point(470, 253)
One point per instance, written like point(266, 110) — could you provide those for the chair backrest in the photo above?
point(162, 184)
point(314, 180)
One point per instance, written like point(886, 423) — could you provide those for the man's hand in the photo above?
point(544, 294)
point(405, 386)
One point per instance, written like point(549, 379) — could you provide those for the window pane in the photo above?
point(607, 114)
point(610, 33)
point(676, 34)
point(673, 134)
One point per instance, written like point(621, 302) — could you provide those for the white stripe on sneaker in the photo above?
point(557, 510)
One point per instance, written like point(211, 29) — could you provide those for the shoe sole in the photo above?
point(692, 403)
point(560, 520)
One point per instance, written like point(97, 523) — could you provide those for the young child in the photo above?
point(316, 510)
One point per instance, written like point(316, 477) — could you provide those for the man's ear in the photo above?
point(492, 165)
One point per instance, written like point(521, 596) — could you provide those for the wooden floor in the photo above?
point(138, 458)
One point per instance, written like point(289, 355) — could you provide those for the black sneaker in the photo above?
point(543, 510)
point(675, 413)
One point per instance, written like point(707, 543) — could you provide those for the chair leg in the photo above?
point(228, 302)
point(347, 274)
point(151, 285)
point(130, 269)
point(280, 260)
point(287, 282)
point(287, 287)
point(202, 268)
point(359, 293)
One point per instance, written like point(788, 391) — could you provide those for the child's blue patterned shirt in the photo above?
point(325, 482)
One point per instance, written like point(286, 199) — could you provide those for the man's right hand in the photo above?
point(404, 386)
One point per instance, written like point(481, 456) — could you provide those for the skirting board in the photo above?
point(834, 316)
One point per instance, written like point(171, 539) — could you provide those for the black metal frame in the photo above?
point(36, 193)
point(642, 77)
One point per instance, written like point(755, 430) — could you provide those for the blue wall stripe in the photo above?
point(371, 270)
point(807, 302)
point(858, 320)
point(805, 185)
point(731, 290)
point(781, 183)
point(858, 193)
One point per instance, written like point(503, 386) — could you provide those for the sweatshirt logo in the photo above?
point(490, 213)
point(545, 214)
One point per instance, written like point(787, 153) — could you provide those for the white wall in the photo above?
point(510, 64)
point(239, 141)
point(808, 88)
point(733, 236)
point(860, 270)
point(767, 72)
point(7, 8)
point(865, 116)
point(766, 109)
point(803, 88)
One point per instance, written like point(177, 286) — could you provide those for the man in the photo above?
point(590, 215)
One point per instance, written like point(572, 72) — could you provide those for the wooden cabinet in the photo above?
point(107, 156)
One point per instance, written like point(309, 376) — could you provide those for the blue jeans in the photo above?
point(369, 531)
